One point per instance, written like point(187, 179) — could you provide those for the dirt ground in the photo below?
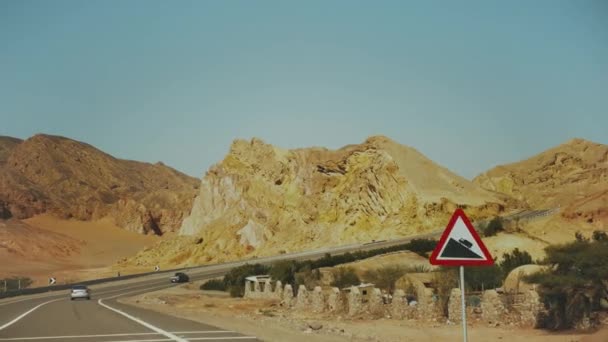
point(267, 320)
point(101, 244)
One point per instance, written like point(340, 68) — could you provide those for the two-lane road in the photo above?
point(54, 317)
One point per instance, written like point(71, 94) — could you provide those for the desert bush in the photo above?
point(345, 277)
point(600, 235)
point(309, 278)
point(514, 259)
point(478, 278)
point(421, 246)
point(493, 227)
point(234, 280)
point(214, 284)
point(385, 277)
point(445, 279)
point(573, 287)
point(284, 271)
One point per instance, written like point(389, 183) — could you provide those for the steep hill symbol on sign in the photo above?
point(460, 244)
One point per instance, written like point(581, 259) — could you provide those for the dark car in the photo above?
point(180, 277)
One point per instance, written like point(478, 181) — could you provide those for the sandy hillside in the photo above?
point(262, 200)
point(573, 172)
point(45, 246)
point(71, 179)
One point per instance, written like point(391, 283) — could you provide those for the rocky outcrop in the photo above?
point(593, 209)
point(71, 179)
point(560, 176)
point(262, 200)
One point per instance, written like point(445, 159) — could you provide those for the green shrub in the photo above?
point(214, 284)
point(445, 279)
point(600, 235)
point(573, 287)
point(478, 278)
point(345, 277)
point(493, 227)
point(511, 261)
point(421, 246)
point(284, 271)
point(385, 277)
point(309, 278)
point(234, 281)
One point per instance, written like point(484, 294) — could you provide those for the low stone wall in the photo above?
point(455, 306)
point(492, 308)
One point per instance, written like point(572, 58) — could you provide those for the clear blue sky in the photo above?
point(471, 84)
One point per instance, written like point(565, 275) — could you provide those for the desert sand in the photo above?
point(98, 245)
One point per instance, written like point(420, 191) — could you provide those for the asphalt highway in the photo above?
point(54, 317)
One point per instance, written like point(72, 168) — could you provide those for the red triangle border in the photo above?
point(459, 213)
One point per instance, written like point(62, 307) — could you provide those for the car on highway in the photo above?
point(180, 277)
point(80, 291)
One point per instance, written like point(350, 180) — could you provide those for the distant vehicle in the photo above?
point(180, 277)
point(466, 243)
point(80, 291)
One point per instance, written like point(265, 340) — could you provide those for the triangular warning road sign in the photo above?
point(460, 244)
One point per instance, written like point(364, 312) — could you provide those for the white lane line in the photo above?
point(159, 340)
point(145, 290)
point(113, 335)
point(27, 313)
point(222, 338)
point(73, 336)
point(25, 299)
point(204, 332)
point(145, 324)
point(59, 293)
point(196, 339)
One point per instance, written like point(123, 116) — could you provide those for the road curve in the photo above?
point(53, 317)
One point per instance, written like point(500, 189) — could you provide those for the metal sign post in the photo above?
point(464, 307)
point(460, 245)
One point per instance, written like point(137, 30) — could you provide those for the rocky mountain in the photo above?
point(263, 200)
point(572, 176)
point(71, 179)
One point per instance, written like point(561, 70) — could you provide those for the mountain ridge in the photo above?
point(72, 179)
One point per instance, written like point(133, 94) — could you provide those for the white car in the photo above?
point(80, 291)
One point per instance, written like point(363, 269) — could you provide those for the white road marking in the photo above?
point(204, 332)
point(25, 299)
point(114, 335)
point(223, 338)
point(145, 324)
point(73, 336)
point(159, 340)
point(27, 313)
point(146, 290)
point(196, 339)
point(58, 293)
